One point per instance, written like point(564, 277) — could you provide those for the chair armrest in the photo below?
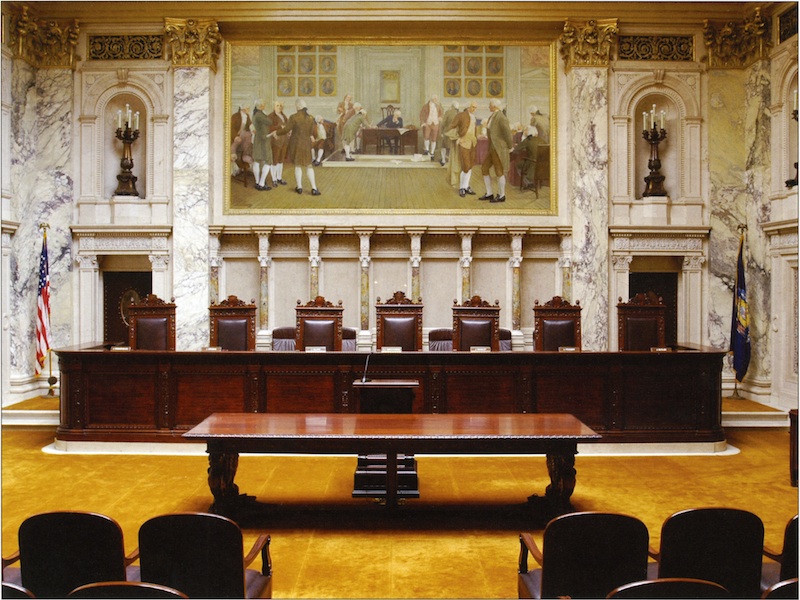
point(770, 553)
point(528, 544)
point(653, 553)
point(132, 557)
point(261, 546)
point(10, 560)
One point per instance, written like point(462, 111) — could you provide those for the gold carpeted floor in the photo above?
point(458, 541)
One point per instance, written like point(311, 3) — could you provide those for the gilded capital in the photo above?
point(591, 44)
point(736, 44)
point(43, 42)
point(193, 43)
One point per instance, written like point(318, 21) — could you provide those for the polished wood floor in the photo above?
point(366, 185)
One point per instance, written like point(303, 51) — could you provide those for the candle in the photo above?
point(662, 119)
point(795, 100)
point(119, 119)
point(136, 121)
point(644, 120)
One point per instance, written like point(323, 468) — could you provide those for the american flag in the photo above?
point(43, 308)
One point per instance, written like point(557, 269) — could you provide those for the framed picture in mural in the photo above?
point(390, 128)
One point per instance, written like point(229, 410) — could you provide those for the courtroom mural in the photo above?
point(404, 129)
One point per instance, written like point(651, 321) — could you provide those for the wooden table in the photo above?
point(401, 138)
point(229, 434)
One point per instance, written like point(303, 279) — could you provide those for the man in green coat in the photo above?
point(500, 144)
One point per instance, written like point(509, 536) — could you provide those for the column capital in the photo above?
point(193, 42)
point(589, 44)
point(159, 262)
point(87, 261)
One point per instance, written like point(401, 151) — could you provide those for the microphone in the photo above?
point(366, 364)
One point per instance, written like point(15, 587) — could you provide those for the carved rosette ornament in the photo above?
point(193, 43)
point(43, 43)
point(736, 45)
point(592, 44)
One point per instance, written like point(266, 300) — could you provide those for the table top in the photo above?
point(273, 426)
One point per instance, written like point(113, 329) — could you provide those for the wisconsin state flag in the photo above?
point(740, 320)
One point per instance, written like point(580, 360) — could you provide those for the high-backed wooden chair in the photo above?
point(398, 323)
point(722, 545)
point(641, 322)
point(151, 324)
point(476, 323)
point(584, 555)
point(557, 324)
point(202, 555)
point(319, 323)
point(233, 324)
point(59, 551)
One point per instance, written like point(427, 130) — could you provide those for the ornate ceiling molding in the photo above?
point(591, 44)
point(193, 42)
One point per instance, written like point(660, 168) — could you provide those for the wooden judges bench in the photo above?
point(154, 396)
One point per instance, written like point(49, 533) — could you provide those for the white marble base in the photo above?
point(651, 211)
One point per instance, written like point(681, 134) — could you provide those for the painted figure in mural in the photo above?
point(467, 144)
point(302, 128)
point(393, 121)
point(262, 148)
point(445, 143)
point(318, 146)
point(542, 124)
point(351, 129)
point(527, 150)
point(430, 117)
point(344, 111)
point(501, 142)
point(241, 140)
point(279, 143)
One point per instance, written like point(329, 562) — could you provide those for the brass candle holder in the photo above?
point(127, 134)
point(655, 180)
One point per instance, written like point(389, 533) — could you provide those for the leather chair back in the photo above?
point(398, 322)
point(151, 324)
point(557, 324)
point(476, 323)
point(319, 323)
point(233, 324)
point(641, 323)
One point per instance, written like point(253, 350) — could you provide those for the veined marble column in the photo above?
point(191, 187)
point(588, 88)
point(315, 261)
point(465, 262)
point(515, 262)
point(364, 259)
point(265, 262)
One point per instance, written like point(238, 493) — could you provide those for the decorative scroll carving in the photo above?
point(787, 24)
point(43, 43)
point(194, 43)
point(477, 301)
point(656, 47)
point(399, 297)
point(126, 47)
point(320, 302)
point(737, 45)
point(558, 302)
point(591, 44)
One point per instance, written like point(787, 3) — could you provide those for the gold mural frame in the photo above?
point(338, 201)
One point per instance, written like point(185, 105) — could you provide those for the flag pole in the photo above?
point(51, 380)
point(741, 228)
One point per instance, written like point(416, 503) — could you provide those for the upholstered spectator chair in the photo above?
point(349, 339)
point(440, 340)
point(505, 340)
point(233, 324)
point(151, 324)
point(319, 323)
point(398, 323)
point(283, 339)
point(476, 323)
point(557, 325)
point(641, 323)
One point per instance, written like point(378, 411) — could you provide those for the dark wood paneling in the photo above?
point(627, 396)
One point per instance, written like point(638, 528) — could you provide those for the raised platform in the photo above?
point(382, 161)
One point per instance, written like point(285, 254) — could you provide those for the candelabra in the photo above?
point(655, 180)
point(127, 135)
point(790, 183)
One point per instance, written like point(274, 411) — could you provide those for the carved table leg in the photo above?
point(561, 468)
point(227, 499)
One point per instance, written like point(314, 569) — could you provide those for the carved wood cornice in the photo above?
point(193, 42)
point(43, 42)
point(735, 45)
point(590, 44)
